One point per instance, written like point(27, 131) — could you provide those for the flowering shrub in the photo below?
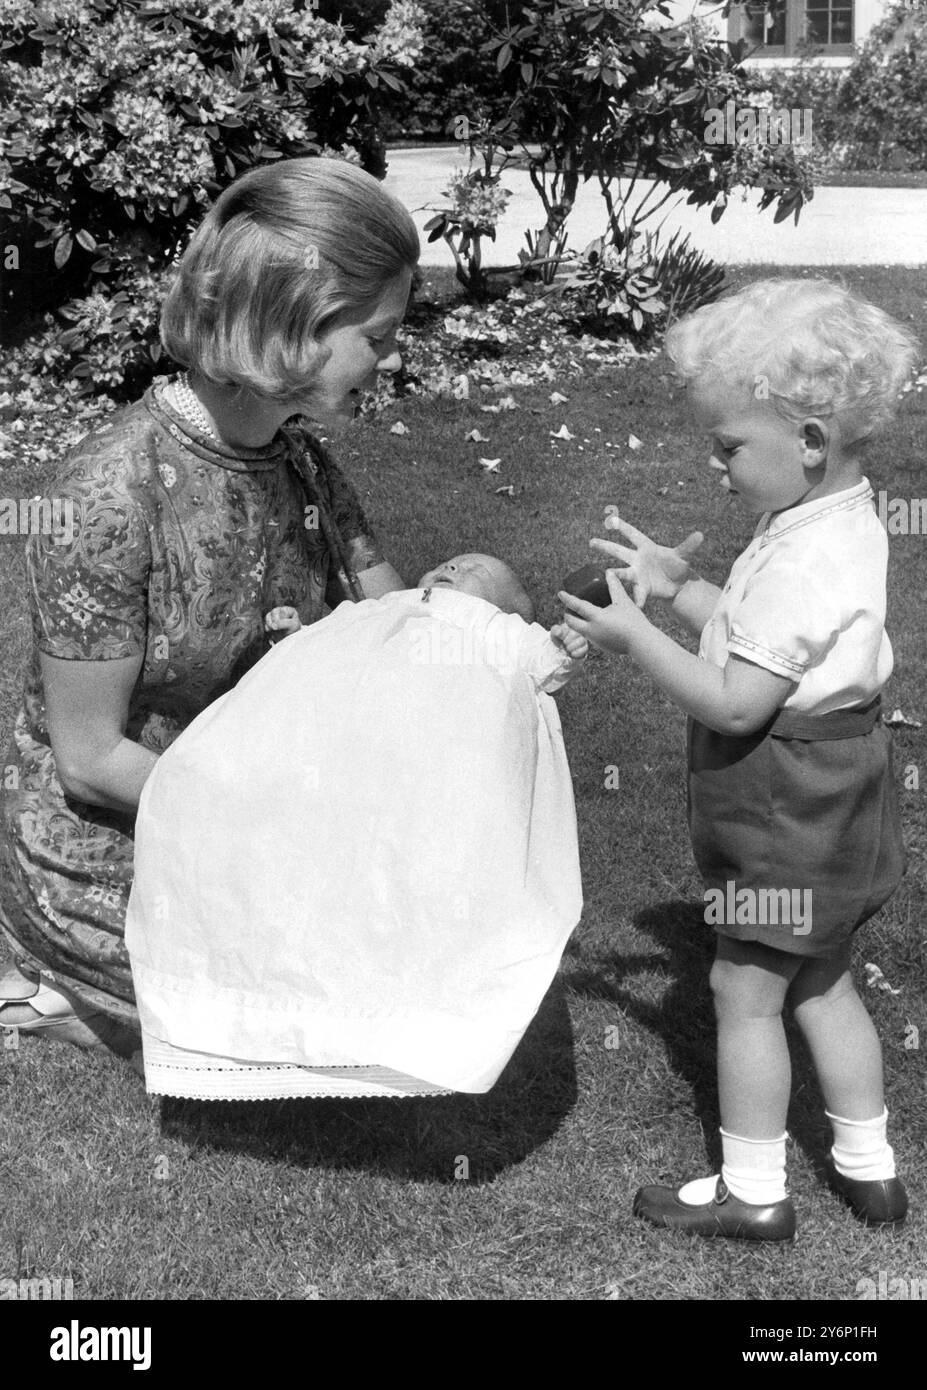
point(459, 77)
point(121, 119)
point(477, 201)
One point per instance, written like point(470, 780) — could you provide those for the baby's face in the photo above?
point(482, 575)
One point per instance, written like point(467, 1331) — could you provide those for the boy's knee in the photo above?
point(726, 982)
point(740, 989)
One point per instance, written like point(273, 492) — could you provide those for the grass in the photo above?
point(614, 1083)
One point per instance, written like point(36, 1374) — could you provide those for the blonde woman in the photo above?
point(197, 510)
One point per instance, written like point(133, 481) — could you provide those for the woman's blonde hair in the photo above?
point(283, 251)
point(809, 346)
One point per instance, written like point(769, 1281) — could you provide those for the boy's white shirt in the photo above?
point(345, 861)
point(806, 600)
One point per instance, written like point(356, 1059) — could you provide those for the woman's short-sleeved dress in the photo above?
point(176, 552)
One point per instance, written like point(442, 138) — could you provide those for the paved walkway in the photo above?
point(841, 226)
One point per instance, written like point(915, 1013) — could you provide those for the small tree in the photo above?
point(615, 91)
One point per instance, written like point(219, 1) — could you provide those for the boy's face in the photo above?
point(482, 575)
point(770, 462)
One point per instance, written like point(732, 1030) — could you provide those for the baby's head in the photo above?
point(802, 348)
point(485, 577)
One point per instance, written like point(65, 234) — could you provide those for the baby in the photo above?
point(485, 577)
point(363, 856)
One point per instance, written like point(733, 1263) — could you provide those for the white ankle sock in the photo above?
point(753, 1170)
point(861, 1150)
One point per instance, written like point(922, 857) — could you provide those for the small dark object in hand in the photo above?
point(588, 583)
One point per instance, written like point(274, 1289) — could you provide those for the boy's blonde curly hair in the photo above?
point(811, 346)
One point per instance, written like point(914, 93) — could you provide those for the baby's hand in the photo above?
point(280, 622)
point(573, 643)
point(651, 570)
point(610, 628)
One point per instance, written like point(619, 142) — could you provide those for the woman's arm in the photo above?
point(380, 579)
point(87, 704)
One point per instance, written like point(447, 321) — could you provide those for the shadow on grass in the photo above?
point(684, 1020)
point(421, 1138)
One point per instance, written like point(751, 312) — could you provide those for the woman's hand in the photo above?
point(609, 629)
point(573, 643)
point(651, 570)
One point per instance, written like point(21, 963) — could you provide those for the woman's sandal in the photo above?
point(55, 1016)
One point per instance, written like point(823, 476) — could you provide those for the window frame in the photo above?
point(795, 16)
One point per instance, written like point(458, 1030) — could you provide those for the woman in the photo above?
point(196, 512)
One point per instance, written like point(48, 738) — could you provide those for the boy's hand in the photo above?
point(280, 622)
point(610, 628)
point(573, 643)
point(651, 570)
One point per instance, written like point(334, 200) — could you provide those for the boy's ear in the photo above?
point(815, 436)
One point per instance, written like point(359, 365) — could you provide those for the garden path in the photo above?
point(841, 226)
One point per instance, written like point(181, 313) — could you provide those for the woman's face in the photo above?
point(361, 345)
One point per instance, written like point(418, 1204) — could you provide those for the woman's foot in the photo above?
point(31, 1006)
point(722, 1215)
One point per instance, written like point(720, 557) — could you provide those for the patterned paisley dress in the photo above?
point(177, 550)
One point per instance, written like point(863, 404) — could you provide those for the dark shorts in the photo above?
point(796, 828)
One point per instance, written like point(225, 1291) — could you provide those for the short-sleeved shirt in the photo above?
point(806, 600)
point(173, 549)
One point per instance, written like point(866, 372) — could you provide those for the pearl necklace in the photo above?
point(189, 406)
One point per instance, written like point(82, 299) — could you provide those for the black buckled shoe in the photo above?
point(883, 1203)
point(724, 1215)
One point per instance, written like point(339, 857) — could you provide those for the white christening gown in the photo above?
point(364, 854)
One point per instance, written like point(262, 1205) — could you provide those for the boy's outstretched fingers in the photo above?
point(579, 613)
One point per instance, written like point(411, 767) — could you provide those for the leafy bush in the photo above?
point(121, 119)
point(611, 290)
point(882, 99)
point(873, 114)
point(458, 75)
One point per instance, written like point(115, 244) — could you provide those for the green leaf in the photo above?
point(86, 240)
point(504, 56)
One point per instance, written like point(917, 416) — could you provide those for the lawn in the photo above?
point(613, 1085)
